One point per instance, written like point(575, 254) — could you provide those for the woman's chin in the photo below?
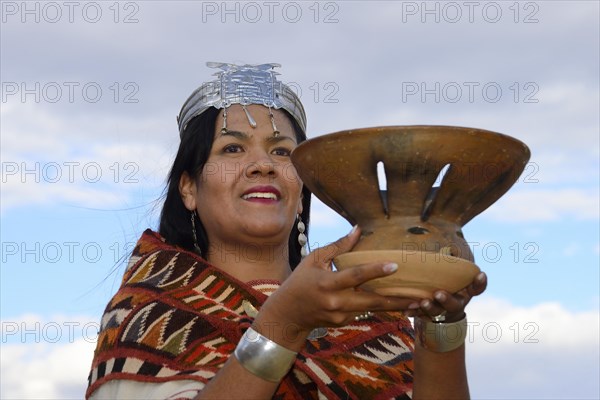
point(263, 228)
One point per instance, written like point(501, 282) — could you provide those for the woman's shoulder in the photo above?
point(151, 241)
point(152, 253)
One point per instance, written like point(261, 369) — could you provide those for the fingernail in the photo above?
point(426, 304)
point(440, 297)
point(414, 306)
point(481, 277)
point(390, 268)
point(354, 228)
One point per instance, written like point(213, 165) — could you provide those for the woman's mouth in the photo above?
point(262, 194)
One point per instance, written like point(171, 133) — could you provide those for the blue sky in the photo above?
point(88, 132)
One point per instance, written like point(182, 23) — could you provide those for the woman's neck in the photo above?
point(251, 262)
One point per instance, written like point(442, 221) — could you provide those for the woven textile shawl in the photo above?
point(176, 317)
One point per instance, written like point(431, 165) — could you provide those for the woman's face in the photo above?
point(248, 190)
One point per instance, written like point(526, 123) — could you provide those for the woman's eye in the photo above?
point(232, 148)
point(282, 151)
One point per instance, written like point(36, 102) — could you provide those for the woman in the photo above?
point(221, 304)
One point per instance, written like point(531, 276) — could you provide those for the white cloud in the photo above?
point(27, 194)
point(551, 325)
point(78, 163)
point(542, 351)
point(45, 371)
point(46, 358)
point(546, 205)
point(556, 166)
point(514, 352)
point(28, 128)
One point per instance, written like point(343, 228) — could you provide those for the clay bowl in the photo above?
point(437, 178)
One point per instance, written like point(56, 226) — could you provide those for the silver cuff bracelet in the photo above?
point(263, 357)
point(440, 337)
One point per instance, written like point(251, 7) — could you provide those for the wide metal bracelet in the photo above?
point(440, 337)
point(263, 357)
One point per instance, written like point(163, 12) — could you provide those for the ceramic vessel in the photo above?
point(432, 180)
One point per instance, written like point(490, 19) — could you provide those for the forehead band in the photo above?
point(244, 85)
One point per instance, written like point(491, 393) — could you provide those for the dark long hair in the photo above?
point(194, 149)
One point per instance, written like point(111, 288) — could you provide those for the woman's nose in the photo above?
point(261, 164)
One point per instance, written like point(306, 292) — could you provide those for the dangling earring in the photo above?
point(196, 246)
point(302, 237)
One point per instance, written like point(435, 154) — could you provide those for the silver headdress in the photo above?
point(244, 85)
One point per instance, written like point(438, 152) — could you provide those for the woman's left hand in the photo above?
point(451, 305)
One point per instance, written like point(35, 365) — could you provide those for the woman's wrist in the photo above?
point(285, 333)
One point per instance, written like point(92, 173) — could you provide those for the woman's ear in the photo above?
point(187, 190)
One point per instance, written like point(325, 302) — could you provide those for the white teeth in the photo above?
point(260, 195)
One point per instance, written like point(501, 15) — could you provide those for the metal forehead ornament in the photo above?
point(242, 84)
point(438, 178)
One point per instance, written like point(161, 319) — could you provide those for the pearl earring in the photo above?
point(302, 237)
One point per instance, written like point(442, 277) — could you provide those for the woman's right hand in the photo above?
point(315, 296)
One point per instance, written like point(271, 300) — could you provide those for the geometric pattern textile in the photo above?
point(176, 317)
